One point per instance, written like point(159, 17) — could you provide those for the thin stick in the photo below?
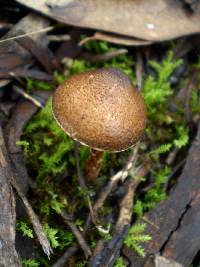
point(139, 69)
point(59, 38)
point(126, 205)
point(72, 250)
point(78, 235)
point(47, 29)
point(82, 183)
point(68, 253)
point(27, 96)
point(104, 56)
point(121, 175)
point(33, 218)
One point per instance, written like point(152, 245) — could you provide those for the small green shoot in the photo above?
point(135, 237)
point(24, 228)
point(119, 263)
point(30, 263)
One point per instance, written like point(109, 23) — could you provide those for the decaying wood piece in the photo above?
point(185, 241)
point(139, 19)
point(8, 254)
point(167, 216)
point(160, 261)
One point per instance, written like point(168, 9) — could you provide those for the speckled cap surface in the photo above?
point(100, 109)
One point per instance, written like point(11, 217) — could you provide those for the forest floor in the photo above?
point(143, 209)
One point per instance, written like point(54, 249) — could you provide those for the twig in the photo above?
point(126, 205)
point(68, 253)
point(77, 234)
point(121, 175)
point(185, 93)
point(27, 96)
point(139, 69)
point(175, 169)
point(172, 155)
point(114, 38)
point(72, 250)
point(47, 29)
point(190, 88)
point(58, 38)
point(33, 218)
point(85, 40)
point(104, 56)
point(82, 183)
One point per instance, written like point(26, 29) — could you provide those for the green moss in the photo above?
point(195, 100)
point(30, 263)
point(47, 145)
point(119, 263)
point(24, 228)
point(136, 237)
point(40, 85)
point(49, 152)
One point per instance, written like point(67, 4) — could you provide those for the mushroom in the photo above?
point(102, 110)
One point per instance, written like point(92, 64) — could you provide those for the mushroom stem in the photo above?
point(93, 164)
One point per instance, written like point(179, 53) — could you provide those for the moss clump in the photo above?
point(48, 145)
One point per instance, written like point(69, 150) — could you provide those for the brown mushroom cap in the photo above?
point(100, 109)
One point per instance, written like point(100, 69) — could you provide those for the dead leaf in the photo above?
point(143, 19)
point(14, 58)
